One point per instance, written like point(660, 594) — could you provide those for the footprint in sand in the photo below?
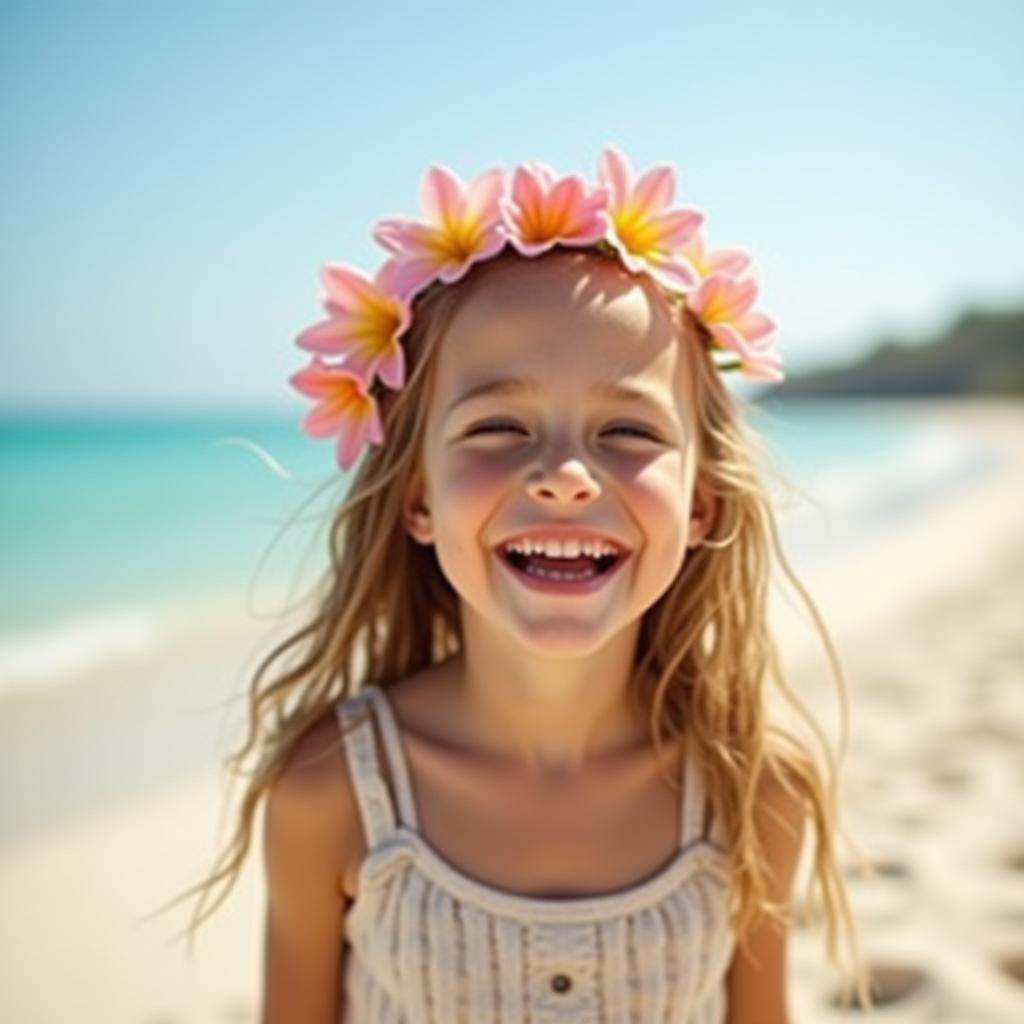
point(950, 777)
point(891, 983)
point(879, 867)
point(1012, 965)
point(982, 731)
point(1014, 859)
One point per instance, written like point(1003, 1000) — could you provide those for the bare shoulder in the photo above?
point(781, 812)
point(781, 801)
point(313, 799)
point(757, 975)
point(309, 830)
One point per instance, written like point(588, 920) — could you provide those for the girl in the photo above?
point(520, 768)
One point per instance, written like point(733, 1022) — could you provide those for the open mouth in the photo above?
point(561, 570)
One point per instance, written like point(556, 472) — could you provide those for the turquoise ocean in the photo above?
point(110, 521)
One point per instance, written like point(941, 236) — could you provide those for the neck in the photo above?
point(548, 718)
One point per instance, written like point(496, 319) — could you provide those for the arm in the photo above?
point(310, 821)
point(756, 983)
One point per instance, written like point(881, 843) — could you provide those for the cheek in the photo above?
point(468, 484)
point(662, 504)
point(663, 487)
point(468, 492)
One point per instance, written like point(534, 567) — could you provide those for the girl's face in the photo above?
point(553, 446)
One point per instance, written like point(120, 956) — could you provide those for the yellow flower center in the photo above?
point(714, 311)
point(636, 232)
point(377, 325)
point(539, 225)
point(458, 243)
point(346, 394)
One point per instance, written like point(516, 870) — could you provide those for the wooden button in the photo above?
point(561, 982)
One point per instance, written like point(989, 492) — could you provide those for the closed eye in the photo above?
point(500, 425)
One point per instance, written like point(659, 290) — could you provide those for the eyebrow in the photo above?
point(513, 386)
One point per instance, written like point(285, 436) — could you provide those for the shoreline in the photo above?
point(929, 452)
point(931, 540)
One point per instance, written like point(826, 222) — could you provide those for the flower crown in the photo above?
point(465, 224)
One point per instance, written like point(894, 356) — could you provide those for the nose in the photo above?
point(567, 481)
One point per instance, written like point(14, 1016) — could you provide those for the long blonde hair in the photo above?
point(704, 655)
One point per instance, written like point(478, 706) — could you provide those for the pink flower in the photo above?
point(723, 305)
point(543, 210)
point(647, 234)
point(364, 324)
point(344, 407)
point(463, 225)
point(725, 261)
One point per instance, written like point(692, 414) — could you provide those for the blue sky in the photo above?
point(175, 174)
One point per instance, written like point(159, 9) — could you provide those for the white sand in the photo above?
point(926, 617)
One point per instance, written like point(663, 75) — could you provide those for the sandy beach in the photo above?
point(113, 799)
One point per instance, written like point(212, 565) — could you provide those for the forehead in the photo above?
point(575, 323)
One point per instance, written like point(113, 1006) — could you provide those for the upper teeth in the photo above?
point(561, 549)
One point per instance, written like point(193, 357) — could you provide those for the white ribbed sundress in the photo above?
point(427, 944)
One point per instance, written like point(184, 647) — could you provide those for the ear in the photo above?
point(703, 510)
point(416, 512)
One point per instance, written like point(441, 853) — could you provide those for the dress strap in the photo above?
point(361, 751)
point(396, 757)
point(692, 814)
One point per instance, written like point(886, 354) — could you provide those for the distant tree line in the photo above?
point(981, 354)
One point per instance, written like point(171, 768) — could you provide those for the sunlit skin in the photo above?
point(542, 679)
